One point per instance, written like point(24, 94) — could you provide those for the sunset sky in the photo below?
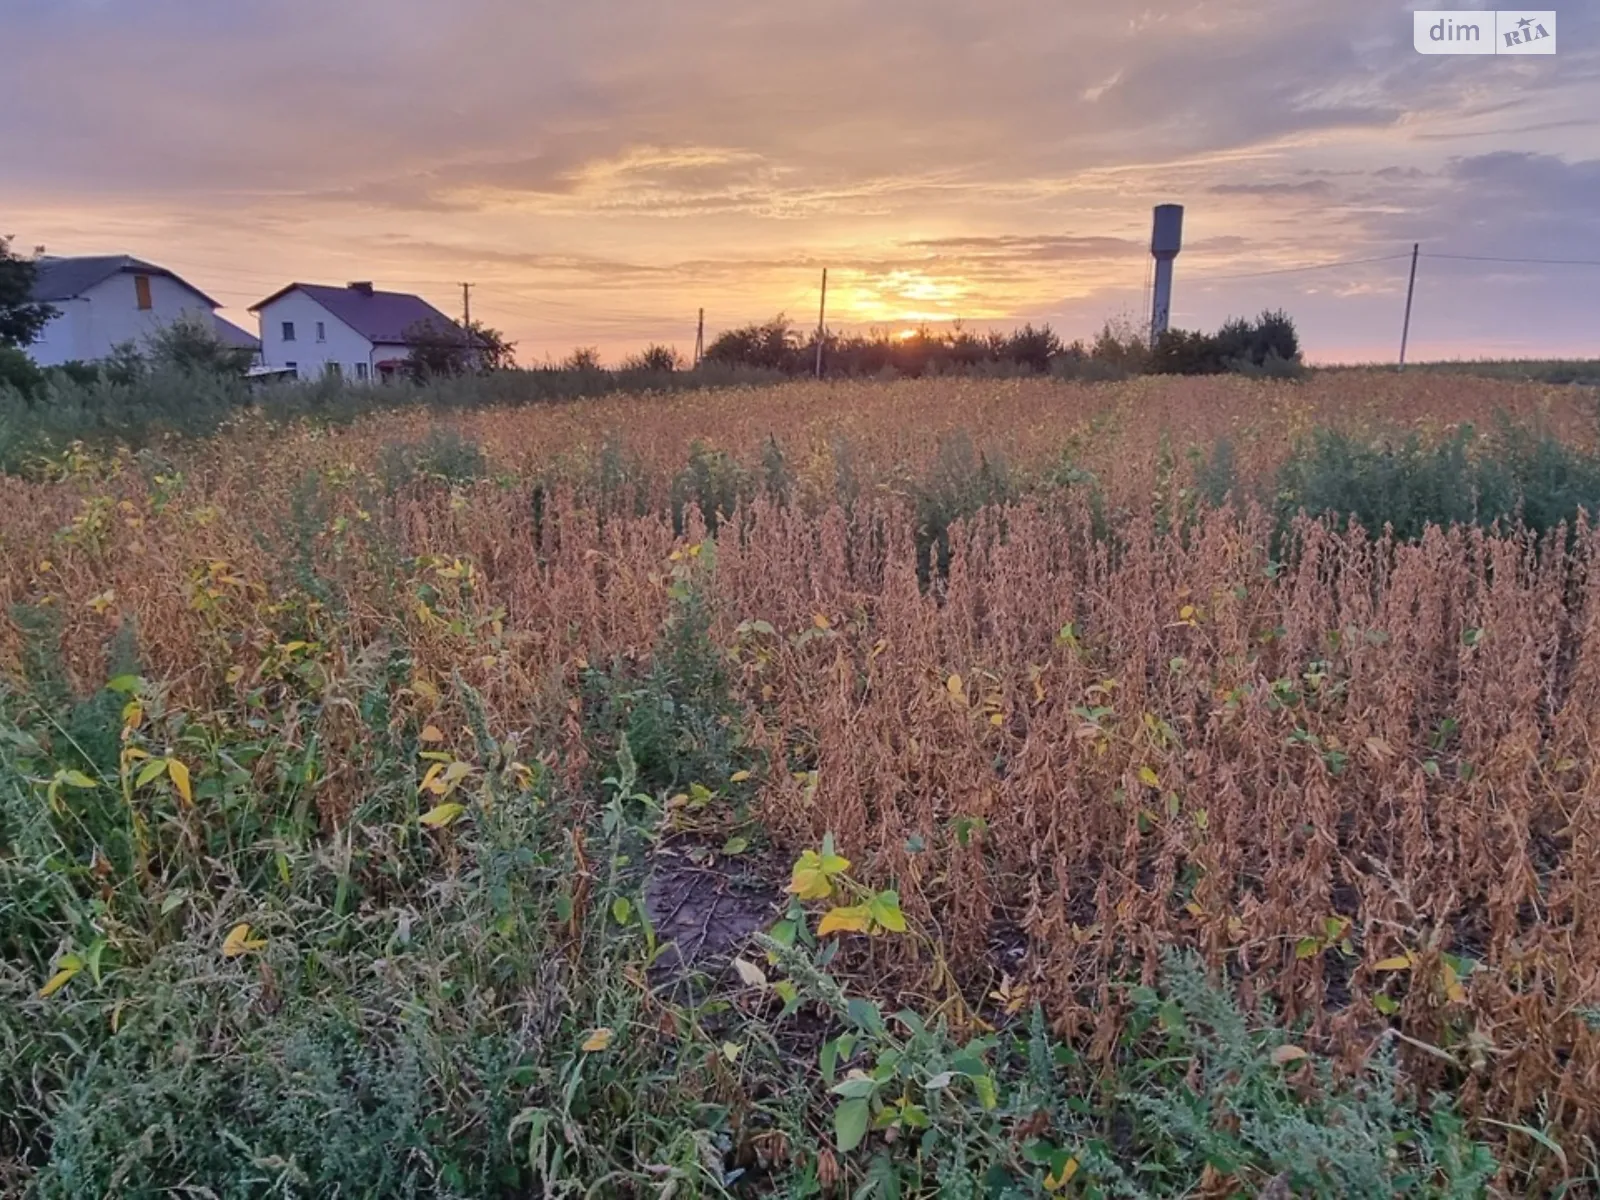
point(600, 169)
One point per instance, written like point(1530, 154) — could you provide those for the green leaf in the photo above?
point(735, 846)
point(92, 958)
point(865, 1016)
point(153, 770)
point(884, 908)
point(860, 1088)
point(126, 684)
point(829, 1060)
point(1385, 1004)
point(622, 910)
point(78, 779)
point(988, 1096)
point(1307, 948)
point(850, 1122)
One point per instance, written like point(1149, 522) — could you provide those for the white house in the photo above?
point(354, 331)
point(105, 301)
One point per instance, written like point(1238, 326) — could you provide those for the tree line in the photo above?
point(1268, 344)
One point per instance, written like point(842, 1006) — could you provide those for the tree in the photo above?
point(191, 344)
point(21, 319)
point(773, 346)
point(659, 360)
point(494, 353)
point(443, 351)
point(585, 359)
point(18, 371)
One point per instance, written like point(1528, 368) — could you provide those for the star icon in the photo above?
point(1525, 22)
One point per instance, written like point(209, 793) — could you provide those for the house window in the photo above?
point(332, 370)
point(361, 371)
point(288, 331)
point(141, 289)
point(322, 332)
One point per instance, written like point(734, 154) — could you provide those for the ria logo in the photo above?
point(1485, 31)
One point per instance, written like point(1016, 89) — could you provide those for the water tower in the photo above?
point(1166, 239)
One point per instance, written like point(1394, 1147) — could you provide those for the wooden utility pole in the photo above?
point(700, 339)
point(822, 321)
point(1411, 291)
point(466, 317)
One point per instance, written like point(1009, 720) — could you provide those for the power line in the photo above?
point(1349, 262)
point(1543, 262)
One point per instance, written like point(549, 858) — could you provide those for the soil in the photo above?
point(706, 912)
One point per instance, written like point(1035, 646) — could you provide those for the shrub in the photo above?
point(661, 360)
point(1464, 479)
point(19, 374)
point(444, 456)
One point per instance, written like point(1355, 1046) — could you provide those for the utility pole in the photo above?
point(822, 321)
point(700, 339)
point(466, 317)
point(1411, 291)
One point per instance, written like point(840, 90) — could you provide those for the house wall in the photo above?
point(108, 314)
point(340, 343)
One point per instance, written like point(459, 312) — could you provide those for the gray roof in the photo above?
point(69, 278)
point(235, 338)
point(376, 316)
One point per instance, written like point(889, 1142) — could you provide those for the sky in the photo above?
point(600, 170)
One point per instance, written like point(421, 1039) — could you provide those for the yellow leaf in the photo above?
point(433, 773)
point(1401, 962)
point(1148, 777)
point(239, 942)
point(444, 814)
point(956, 687)
point(70, 966)
point(1194, 910)
point(598, 1041)
point(1186, 613)
point(739, 777)
point(809, 883)
point(854, 919)
point(179, 775)
point(731, 1051)
point(454, 773)
point(235, 674)
point(1284, 1055)
point(997, 720)
point(810, 878)
point(1054, 1182)
point(821, 622)
point(750, 974)
point(432, 734)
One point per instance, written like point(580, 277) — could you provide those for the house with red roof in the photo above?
point(353, 331)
